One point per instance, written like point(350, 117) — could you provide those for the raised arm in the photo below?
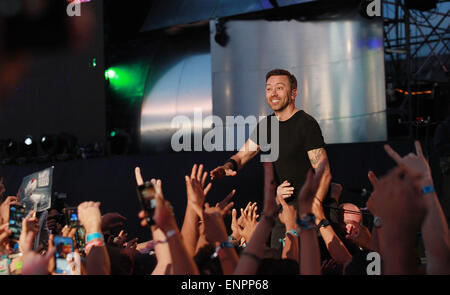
point(237, 161)
point(434, 228)
point(400, 211)
point(250, 257)
point(162, 251)
point(309, 244)
point(316, 157)
point(195, 196)
point(165, 220)
point(291, 242)
point(97, 258)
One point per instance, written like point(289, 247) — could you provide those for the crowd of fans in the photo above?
point(403, 206)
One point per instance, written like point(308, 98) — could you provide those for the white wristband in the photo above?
point(170, 233)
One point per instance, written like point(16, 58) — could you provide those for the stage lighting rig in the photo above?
point(10, 151)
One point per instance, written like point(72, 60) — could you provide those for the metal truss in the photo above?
point(417, 50)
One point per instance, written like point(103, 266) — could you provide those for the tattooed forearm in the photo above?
point(316, 156)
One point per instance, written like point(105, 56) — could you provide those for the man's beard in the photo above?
point(282, 107)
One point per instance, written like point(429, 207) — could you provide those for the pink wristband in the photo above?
point(95, 243)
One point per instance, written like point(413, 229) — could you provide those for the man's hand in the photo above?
point(90, 217)
point(4, 234)
point(284, 190)
point(225, 203)
point(415, 165)
point(195, 186)
point(214, 227)
point(29, 224)
point(4, 208)
point(221, 172)
point(248, 221)
point(34, 263)
point(358, 234)
point(288, 216)
point(397, 203)
point(235, 233)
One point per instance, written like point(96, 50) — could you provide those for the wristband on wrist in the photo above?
point(232, 239)
point(95, 243)
point(306, 222)
point(292, 232)
point(234, 163)
point(170, 233)
point(428, 189)
point(323, 223)
point(94, 236)
point(226, 244)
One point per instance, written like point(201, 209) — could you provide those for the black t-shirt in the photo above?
point(297, 135)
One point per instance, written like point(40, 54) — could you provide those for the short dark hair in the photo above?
point(280, 72)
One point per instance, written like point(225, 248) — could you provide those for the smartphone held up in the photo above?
point(64, 256)
point(146, 194)
point(16, 215)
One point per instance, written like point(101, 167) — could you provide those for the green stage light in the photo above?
point(111, 74)
point(113, 133)
point(127, 81)
point(94, 62)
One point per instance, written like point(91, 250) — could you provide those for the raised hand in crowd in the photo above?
point(288, 216)
point(29, 224)
point(222, 207)
point(4, 208)
point(32, 262)
point(162, 250)
point(248, 221)
point(226, 203)
point(97, 258)
point(253, 252)
point(165, 220)
point(235, 236)
point(434, 227)
point(398, 211)
point(4, 234)
point(310, 209)
point(215, 233)
point(121, 238)
point(196, 193)
point(374, 244)
point(350, 217)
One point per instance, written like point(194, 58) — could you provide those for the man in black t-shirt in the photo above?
point(301, 145)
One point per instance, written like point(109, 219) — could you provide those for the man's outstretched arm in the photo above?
point(230, 168)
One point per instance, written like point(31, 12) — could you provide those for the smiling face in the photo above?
point(278, 92)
